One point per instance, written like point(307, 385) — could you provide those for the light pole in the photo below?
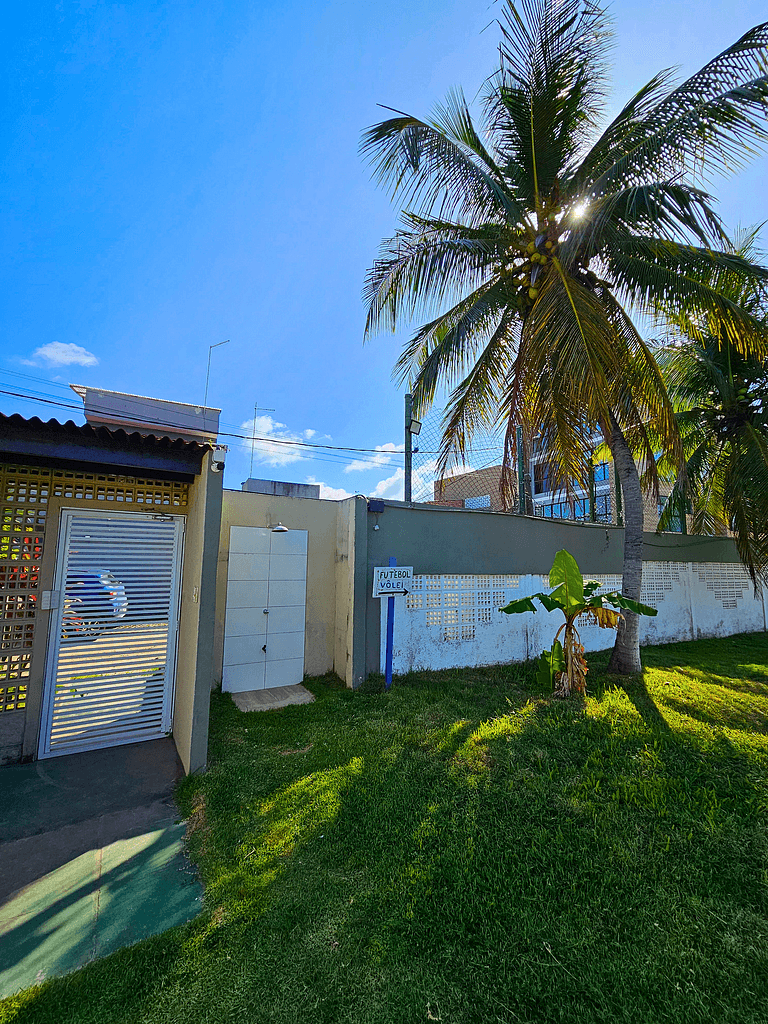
point(412, 427)
point(208, 374)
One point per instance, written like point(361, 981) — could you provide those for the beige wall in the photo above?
point(474, 484)
point(328, 573)
point(192, 676)
point(345, 582)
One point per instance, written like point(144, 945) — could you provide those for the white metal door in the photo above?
point(266, 607)
point(112, 646)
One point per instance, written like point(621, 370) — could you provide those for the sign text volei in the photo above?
point(390, 580)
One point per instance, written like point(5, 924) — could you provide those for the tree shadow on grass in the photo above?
point(741, 684)
point(646, 706)
point(536, 859)
point(744, 718)
point(741, 657)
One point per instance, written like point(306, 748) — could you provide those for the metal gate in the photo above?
point(112, 645)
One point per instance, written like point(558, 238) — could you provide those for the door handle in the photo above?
point(264, 648)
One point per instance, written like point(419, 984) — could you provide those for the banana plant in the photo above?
point(564, 666)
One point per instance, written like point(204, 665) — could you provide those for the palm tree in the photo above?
point(721, 397)
point(524, 244)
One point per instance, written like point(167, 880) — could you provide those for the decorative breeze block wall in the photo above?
point(449, 621)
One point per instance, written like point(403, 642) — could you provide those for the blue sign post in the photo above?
point(387, 582)
point(390, 632)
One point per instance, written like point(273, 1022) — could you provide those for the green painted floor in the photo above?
point(91, 858)
point(95, 903)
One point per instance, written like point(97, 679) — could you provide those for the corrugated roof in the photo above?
point(113, 438)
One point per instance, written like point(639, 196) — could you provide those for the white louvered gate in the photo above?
point(112, 646)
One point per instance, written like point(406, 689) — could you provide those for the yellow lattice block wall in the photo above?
point(24, 495)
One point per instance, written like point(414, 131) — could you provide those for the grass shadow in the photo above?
point(463, 848)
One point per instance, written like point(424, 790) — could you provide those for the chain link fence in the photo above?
point(477, 482)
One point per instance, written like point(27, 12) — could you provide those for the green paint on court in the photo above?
point(95, 903)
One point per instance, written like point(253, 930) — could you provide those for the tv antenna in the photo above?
point(253, 438)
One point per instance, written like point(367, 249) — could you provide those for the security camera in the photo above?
point(217, 463)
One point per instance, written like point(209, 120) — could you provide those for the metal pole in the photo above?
point(390, 630)
point(683, 521)
point(253, 437)
point(521, 502)
point(592, 493)
point(408, 449)
point(208, 374)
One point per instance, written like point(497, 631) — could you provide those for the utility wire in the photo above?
point(221, 433)
point(38, 396)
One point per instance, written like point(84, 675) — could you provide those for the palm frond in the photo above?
point(431, 171)
point(474, 403)
point(417, 271)
point(659, 274)
point(544, 101)
point(713, 123)
point(441, 352)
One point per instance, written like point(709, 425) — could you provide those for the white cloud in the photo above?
point(329, 493)
point(59, 353)
point(383, 457)
point(266, 452)
point(390, 487)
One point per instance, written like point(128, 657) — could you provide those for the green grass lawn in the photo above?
point(465, 849)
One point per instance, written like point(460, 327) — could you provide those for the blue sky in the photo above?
point(179, 173)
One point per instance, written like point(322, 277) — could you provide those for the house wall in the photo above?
point(351, 575)
point(476, 484)
point(443, 542)
point(194, 663)
point(329, 639)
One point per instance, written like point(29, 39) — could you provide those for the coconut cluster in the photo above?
point(525, 271)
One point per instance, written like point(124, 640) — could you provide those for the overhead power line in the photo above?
point(38, 396)
point(220, 433)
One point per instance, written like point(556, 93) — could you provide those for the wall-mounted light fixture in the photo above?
point(279, 528)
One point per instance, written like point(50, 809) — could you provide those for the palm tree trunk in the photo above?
point(625, 658)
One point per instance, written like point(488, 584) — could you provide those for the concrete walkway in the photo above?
point(275, 697)
point(91, 859)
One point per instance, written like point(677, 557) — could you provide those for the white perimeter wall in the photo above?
point(454, 621)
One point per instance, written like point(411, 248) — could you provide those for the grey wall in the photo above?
point(438, 541)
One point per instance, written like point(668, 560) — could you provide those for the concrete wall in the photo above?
point(194, 664)
point(332, 573)
point(446, 541)
point(351, 595)
point(452, 621)
point(281, 488)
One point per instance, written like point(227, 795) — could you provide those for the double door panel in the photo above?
point(266, 601)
